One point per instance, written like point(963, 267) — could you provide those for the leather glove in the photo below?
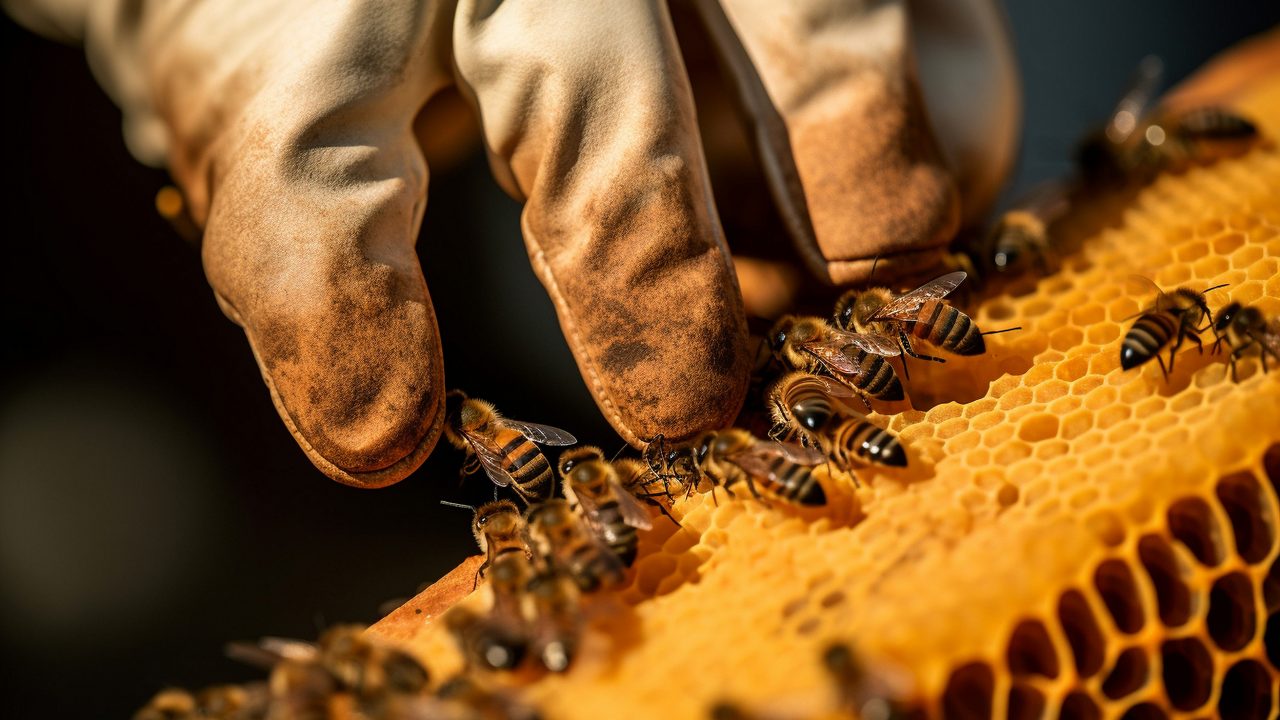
point(290, 127)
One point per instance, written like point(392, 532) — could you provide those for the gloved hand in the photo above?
point(289, 125)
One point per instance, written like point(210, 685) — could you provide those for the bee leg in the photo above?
point(663, 509)
point(906, 345)
point(1163, 370)
point(1199, 343)
point(865, 401)
point(1173, 351)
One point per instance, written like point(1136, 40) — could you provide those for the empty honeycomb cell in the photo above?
point(1007, 495)
point(1209, 267)
point(1227, 243)
point(1076, 424)
point(1264, 269)
point(1232, 619)
point(1128, 674)
point(1187, 668)
point(1025, 703)
point(1088, 647)
point(1107, 527)
point(1087, 384)
point(1038, 427)
point(1084, 498)
point(1111, 415)
point(1145, 711)
point(1250, 512)
point(979, 458)
point(1120, 433)
point(1173, 597)
point(1103, 334)
point(978, 407)
point(1192, 251)
point(1015, 398)
point(1173, 275)
point(1123, 309)
point(1086, 313)
point(964, 442)
point(1031, 651)
point(986, 421)
point(1050, 390)
point(1193, 523)
point(1247, 292)
point(1065, 338)
point(1246, 692)
point(998, 435)
point(1064, 405)
point(1012, 452)
point(969, 692)
point(950, 428)
point(1079, 706)
point(1209, 227)
point(1051, 449)
point(1119, 592)
point(1148, 407)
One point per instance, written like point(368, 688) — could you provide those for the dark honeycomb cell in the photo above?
point(1079, 706)
point(1188, 673)
point(1192, 522)
point(1232, 618)
point(1130, 672)
point(1145, 711)
point(1246, 692)
point(1031, 652)
point(1271, 639)
point(1025, 703)
point(1271, 587)
point(1251, 522)
point(969, 693)
point(1119, 592)
point(1173, 597)
point(1083, 634)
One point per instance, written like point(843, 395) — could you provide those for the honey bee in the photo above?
point(1242, 327)
point(557, 618)
point(168, 704)
point(563, 541)
point(486, 641)
point(873, 696)
point(1023, 232)
point(809, 407)
point(876, 312)
point(1174, 317)
point(594, 485)
point(504, 448)
point(478, 703)
point(305, 676)
point(233, 702)
point(812, 345)
point(499, 530)
point(728, 457)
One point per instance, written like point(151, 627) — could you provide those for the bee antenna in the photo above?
point(615, 455)
point(872, 274)
point(1217, 287)
point(997, 332)
point(459, 505)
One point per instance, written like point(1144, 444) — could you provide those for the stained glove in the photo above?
point(290, 127)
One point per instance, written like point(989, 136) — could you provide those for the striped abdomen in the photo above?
point(948, 328)
point(621, 538)
point(877, 378)
point(1149, 334)
point(592, 568)
point(524, 462)
point(808, 403)
point(860, 440)
point(794, 483)
point(1214, 123)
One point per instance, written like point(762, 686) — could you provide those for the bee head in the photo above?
point(570, 459)
point(844, 312)
point(779, 333)
point(500, 517)
point(1225, 316)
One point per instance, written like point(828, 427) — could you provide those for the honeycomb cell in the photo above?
point(1145, 711)
point(1079, 706)
point(1128, 675)
point(969, 692)
point(1173, 597)
point(1115, 584)
point(1246, 692)
point(1250, 512)
point(1193, 523)
point(1076, 424)
point(1065, 338)
point(1103, 334)
point(1271, 588)
point(1080, 627)
point(1232, 618)
point(1188, 672)
point(1271, 640)
point(1031, 651)
point(1025, 703)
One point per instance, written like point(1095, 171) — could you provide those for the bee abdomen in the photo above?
point(878, 379)
point(592, 569)
point(949, 329)
point(621, 538)
point(797, 484)
point(869, 442)
point(1149, 334)
point(527, 466)
point(1215, 123)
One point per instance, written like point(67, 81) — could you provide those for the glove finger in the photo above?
point(314, 191)
point(588, 116)
point(836, 117)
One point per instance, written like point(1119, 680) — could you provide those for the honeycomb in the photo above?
point(1069, 540)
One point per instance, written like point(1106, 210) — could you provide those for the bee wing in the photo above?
point(1137, 96)
point(633, 513)
point(905, 307)
point(757, 463)
point(590, 508)
point(833, 356)
point(874, 343)
point(491, 461)
point(267, 652)
point(541, 434)
point(798, 454)
point(838, 392)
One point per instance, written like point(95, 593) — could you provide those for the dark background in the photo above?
point(152, 506)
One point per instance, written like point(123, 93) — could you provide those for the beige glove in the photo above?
point(289, 124)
